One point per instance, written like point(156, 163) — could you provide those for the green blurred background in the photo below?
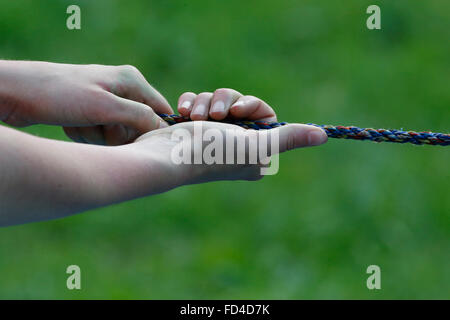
point(311, 230)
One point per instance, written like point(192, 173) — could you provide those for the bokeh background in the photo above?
point(308, 232)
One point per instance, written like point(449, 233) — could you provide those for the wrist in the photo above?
point(8, 100)
point(16, 94)
point(139, 172)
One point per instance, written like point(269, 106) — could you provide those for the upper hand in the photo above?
point(96, 104)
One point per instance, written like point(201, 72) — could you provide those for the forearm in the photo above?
point(24, 92)
point(44, 179)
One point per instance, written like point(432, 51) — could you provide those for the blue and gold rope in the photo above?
point(342, 132)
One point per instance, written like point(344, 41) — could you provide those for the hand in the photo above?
point(95, 104)
point(133, 170)
point(224, 103)
point(156, 149)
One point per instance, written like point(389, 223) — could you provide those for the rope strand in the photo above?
point(341, 132)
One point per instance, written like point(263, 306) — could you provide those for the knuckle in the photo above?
point(290, 142)
point(221, 91)
point(204, 94)
point(129, 70)
point(250, 97)
point(255, 101)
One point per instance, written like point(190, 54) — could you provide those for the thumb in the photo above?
point(294, 136)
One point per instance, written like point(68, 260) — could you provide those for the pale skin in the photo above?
point(121, 148)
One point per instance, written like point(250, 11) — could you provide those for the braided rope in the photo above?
point(341, 132)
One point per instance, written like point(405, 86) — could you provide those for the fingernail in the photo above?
point(219, 106)
point(185, 105)
point(317, 137)
point(199, 109)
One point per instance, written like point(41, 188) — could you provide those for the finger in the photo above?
point(185, 103)
point(135, 115)
point(92, 135)
point(221, 102)
point(292, 136)
point(73, 134)
point(154, 99)
point(117, 134)
point(201, 106)
point(252, 108)
point(136, 87)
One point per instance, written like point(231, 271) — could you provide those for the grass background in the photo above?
point(311, 230)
